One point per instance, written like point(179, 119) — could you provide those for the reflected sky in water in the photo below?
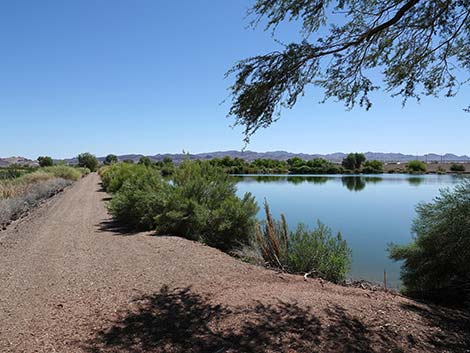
point(371, 211)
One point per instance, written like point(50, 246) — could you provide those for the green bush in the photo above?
point(436, 263)
point(87, 160)
point(141, 197)
point(114, 176)
point(416, 167)
point(373, 167)
point(199, 203)
point(316, 251)
point(203, 205)
point(45, 161)
point(455, 167)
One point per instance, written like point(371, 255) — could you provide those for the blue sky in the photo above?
point(147, 76)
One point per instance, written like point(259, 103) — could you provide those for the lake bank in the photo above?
point(370, 211)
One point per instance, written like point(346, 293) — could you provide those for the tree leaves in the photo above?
point(411, 48)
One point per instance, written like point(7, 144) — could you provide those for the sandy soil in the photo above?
point(70, 281)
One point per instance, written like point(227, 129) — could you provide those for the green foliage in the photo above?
point(416, 167)
point(166, 166)
point(199, 203)
point(45, 161)
point(110, 159)
point(319, 252)
point(418, 46)
point(145, 161)
point(436, 264)
point(203, 205)
point(353, 161)
point(272, 166)
point(114, 176)
point(87, 160)
point(373, 167)
point(455, 167)
point(313, 166)
point(142, 196)
point(316, 251)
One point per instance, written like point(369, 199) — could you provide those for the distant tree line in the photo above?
point(353, 163)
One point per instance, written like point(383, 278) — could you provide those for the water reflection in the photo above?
point(370, 211)
point(353, 183)
point(415, 180)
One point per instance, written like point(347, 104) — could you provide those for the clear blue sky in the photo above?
point(147, 76)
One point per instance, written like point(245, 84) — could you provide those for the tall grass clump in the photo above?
point(316, 251)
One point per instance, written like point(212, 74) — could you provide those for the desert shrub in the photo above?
point(455, 167)
point(140, 198)
point(308, 251)
point(373, 167)
point(45, 161)
point(416, 167)
point(440, 170)
point(87, 160)
point(202, 205)
point(114, 176)
point(83, 171)
point(436, 263)
point(199, 203)
point(65, 172)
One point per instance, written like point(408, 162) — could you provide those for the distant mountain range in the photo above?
point(250, 155)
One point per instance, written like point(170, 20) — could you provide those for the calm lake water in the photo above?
point(369, 211)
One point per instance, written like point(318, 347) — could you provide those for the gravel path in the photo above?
point(71, 282)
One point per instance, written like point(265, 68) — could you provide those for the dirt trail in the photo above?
point(69, 282)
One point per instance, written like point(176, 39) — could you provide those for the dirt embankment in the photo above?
point(71, 282)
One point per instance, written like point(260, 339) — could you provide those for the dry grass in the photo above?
point(22, 185)
point(14, 207)
point(273, 241)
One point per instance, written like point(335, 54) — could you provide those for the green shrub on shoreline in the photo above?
point(416, 167)
point(436, 263)
point(139, 198)
point(316, 251)
point(199, 203)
